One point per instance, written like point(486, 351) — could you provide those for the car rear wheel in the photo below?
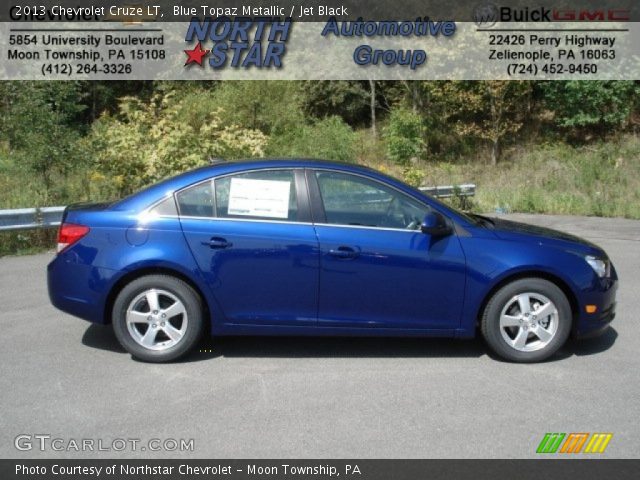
point(157, 318)
point(527, 320)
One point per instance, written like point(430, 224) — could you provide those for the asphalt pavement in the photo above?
point(312, 397)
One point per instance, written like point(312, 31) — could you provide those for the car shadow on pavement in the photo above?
point(578, 348)
point(102, 337)
point(592, 346)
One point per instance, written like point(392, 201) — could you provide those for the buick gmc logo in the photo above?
point(488, 14)
point(485, 15)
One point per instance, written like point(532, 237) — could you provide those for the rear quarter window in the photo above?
point(166, 208)
point(197, 201)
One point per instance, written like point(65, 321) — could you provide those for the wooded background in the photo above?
point(554, 147)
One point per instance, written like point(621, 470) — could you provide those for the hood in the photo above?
point(507, 229)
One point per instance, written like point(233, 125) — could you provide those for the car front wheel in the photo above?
point(527, 320)
point(157, 318)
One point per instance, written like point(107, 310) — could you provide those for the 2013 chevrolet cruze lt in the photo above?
point(300, 247)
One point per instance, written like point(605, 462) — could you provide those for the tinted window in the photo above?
point(267, 194)
point(196, 201)
point(167, 207)
point(354, 200)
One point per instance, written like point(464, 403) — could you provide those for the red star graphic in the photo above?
point(195, 55)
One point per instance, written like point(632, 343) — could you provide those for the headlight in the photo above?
point(600, 266)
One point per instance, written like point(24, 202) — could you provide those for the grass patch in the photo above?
point(596, 180)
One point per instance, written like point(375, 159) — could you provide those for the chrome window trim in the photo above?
point(254, 220)
point(213, 190)
point(365, 227)
point(241, 172)
point(231, 219)
point(324, 169)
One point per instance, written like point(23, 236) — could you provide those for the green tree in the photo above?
point(148, 141)
point(591, 106)
point(330, 139)
point(40, 127)
point(269, 106)
point(349, 100)
point(486, 110)
point(404, 136)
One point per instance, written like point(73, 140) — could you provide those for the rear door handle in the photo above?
point(218, 242)
point(343, 252)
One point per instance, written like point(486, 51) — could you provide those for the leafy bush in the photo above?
point(272, 107)
point(591, 105)
point(39, 130)
point(404, 136)
point(330, 139)
point(413, 176)
point(148, 141)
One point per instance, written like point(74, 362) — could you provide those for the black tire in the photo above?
point(490, 321)
point(181, 291)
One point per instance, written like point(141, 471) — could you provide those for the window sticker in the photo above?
point(259, 198)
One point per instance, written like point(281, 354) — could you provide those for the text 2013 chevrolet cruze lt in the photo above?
point(300, 247)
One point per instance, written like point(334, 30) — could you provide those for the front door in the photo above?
point(377, 269)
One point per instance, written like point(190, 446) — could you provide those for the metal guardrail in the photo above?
point(27, 218)
point(463, 192)
point(44, 217)
point(448, 191)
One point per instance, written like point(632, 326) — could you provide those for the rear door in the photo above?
point(377, 269)
point(253, 240)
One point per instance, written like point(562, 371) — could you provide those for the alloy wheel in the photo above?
point(156, 319)
point(529, 322)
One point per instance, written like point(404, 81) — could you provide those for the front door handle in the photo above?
point(344, 252)
point(218, 242)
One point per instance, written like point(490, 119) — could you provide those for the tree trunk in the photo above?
point(415, 97)
point(372, 106)
point(494, 152)
point(94, 114)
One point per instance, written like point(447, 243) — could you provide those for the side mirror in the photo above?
point(435, 224)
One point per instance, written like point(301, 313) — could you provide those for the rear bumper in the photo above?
point(78, 289)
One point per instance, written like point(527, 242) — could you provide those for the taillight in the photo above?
point(69, 234)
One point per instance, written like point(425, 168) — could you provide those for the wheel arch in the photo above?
point(154, 270)
point(555, 279)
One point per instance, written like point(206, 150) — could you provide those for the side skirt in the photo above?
point(235, 329)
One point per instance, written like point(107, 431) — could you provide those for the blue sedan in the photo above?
point(302, 247)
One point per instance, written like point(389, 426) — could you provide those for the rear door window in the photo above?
point(264, 194)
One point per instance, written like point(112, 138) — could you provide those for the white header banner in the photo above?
point(276, 49)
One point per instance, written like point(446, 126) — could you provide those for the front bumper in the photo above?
point(598, 326)
point(603, 296)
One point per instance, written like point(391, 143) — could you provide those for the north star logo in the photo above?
point(242, 43)
point(196, 55)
